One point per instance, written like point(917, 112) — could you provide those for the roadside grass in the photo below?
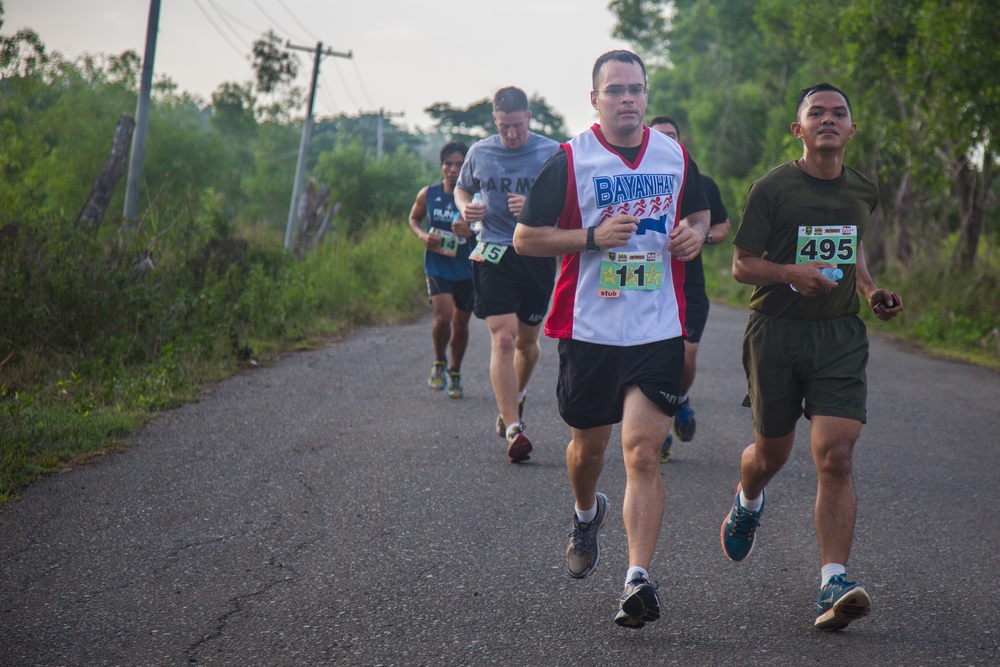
point(63, 404)
point(59, 408)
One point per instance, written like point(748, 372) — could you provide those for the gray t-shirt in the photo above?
point(494, 170)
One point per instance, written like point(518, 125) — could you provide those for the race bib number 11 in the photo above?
point(627, 271)
point(836, 245)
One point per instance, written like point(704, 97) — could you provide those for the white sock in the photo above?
point(830, 570)
point(752, 505)
point(522, 394)
point(634, 570)
point(510, 429)
point(586, 516)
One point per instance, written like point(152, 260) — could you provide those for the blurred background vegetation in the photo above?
point(103, 324)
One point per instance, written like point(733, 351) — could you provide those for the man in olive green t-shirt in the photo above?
point(805, 350)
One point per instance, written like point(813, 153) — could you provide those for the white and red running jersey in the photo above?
point(633, 294)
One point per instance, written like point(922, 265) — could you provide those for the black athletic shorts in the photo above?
point(518, 284)
point(593, 379)
point(696, 313)
point(461, 290)
point(804, 366)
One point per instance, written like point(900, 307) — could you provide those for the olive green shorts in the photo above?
point(797, 367)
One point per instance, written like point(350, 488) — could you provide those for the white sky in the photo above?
point(408, 54)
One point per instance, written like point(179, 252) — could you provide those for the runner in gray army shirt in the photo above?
point(512, 292)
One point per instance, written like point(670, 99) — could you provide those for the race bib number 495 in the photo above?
point(837, 245)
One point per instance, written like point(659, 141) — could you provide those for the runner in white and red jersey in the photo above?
point(624, 208)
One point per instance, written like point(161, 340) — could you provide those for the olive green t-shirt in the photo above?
point(786, 205)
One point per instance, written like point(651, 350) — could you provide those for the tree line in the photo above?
point(923, 77)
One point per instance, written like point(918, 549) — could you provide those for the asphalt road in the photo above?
point(332, 510)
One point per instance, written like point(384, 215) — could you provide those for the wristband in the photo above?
point(591, 244)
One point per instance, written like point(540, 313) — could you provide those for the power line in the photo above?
point(223, 13)
point(347, 90)
point(281, 28)
point(361, 82)
point(326, 93)
point(296, 19)
point(218, 30)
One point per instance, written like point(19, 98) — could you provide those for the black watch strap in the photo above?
point(591, 244)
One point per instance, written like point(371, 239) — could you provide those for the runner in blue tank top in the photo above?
point(448, 270)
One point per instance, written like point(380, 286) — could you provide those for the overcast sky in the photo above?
point(408, 54)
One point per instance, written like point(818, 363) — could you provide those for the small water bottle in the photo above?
point(457, 218)
point(477, 227)
point(833, 274)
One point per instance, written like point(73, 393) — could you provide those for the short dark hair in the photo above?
point(619, 55)
point(509, 100)
point(453, 147)
point(665, 119)
point(819, 88)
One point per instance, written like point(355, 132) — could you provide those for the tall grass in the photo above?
point(89, 350)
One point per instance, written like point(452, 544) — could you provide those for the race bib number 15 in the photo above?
point(488, 252)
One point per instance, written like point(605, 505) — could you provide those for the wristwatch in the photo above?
point(591, 244)
point(708, 238)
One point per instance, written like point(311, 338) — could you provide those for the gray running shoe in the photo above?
point(454, 389)
point(639, 603)
point(437, 379)
point(583, 554)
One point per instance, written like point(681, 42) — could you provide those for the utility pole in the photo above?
point(382, 114)
point(141, 120)
point(293, 209)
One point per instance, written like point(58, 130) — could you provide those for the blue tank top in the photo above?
point(440, 212)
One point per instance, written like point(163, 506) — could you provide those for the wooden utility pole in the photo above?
point(379, 143)
point(141, 120)
point(291, 230)
point(100, 195)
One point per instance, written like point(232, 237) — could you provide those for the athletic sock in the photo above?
point(586, 516)
point(634, 570)
point(522, 394)
point(829, 571)
point(752, 505)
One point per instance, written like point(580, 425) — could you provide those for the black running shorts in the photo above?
point(593, 379)
point(794, 363)
point(461, 290)
point(696, 314)
point(518, 284)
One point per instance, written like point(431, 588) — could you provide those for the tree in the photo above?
point(645, 24)
point(475, 121)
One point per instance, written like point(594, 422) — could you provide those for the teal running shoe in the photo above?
point(840, 602)
point(739, 527)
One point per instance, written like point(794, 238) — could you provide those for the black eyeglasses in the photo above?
point(619, 91)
